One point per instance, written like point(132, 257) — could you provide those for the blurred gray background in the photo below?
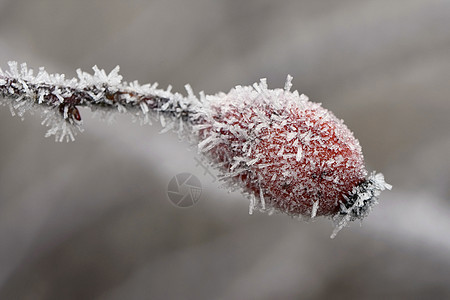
point(91, 220)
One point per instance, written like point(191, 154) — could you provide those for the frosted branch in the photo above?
point(59, 98)
point(286, 153)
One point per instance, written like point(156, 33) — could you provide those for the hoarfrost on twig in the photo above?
point(59, 99)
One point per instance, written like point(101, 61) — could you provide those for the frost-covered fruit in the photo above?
point(289, 154)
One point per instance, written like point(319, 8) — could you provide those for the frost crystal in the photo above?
point(314, 209)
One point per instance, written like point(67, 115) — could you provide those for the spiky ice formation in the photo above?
point(286, 153)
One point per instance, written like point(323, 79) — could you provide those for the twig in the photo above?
point(59, 98)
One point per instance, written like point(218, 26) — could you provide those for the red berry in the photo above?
point(286, 152)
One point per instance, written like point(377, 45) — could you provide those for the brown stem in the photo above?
point(67, 98)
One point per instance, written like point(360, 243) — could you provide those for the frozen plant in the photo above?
point(284, 152)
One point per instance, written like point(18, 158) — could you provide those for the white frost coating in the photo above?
point(298, 157)
point(362, 199)
point(280, 153)
point(58, 127)
point(314, 209)
point(252, 204)
point(288, 84)
point(261, 197)
point(252, 162)
point(291, 135)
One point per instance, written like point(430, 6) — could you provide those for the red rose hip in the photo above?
point(287, 154)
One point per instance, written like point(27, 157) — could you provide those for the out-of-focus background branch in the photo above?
point(90, 219)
